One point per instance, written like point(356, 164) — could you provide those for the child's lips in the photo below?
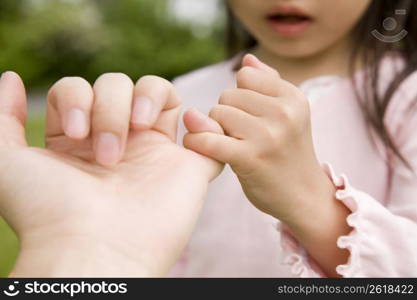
point(289, 21)
point(290, 29)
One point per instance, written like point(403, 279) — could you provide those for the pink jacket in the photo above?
point(234, 239)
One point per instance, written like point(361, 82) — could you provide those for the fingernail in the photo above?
point(76, 124)
point(107, 149)
point(142, 111)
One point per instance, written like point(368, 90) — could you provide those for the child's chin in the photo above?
point(296, 48)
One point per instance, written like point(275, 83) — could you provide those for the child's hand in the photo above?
point(268, 142)
point(112, 195)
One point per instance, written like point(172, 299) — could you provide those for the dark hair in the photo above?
point(370, 51)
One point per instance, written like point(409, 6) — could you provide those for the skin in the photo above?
point(268, 144)
point(83, 208)
point(323, 49)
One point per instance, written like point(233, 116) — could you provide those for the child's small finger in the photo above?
point(196, 122)
point(216, 146)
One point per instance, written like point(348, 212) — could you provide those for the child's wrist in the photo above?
point(321, 215)
point(316, 199)
point(321, 225)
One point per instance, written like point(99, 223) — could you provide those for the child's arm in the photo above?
point(269, 146)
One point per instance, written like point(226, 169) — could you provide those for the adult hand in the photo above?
point(112, 194)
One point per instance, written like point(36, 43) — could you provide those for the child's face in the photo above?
point(299, 28)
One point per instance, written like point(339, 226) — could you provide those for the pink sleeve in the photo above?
point(383, 242)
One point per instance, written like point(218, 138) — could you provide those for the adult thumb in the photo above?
point(13, 110)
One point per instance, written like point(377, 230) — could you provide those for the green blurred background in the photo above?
point(44, 40)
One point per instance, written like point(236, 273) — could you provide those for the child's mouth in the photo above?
point(289, 23)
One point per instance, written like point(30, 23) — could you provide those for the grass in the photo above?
point(9, 244)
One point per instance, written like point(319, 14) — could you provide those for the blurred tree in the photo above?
point(48, 39)
point(143, 38)
point(44, 39)
point(10, 10)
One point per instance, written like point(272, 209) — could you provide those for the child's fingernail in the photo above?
point(76, 124)
point(107, 149)
point(142, 113)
